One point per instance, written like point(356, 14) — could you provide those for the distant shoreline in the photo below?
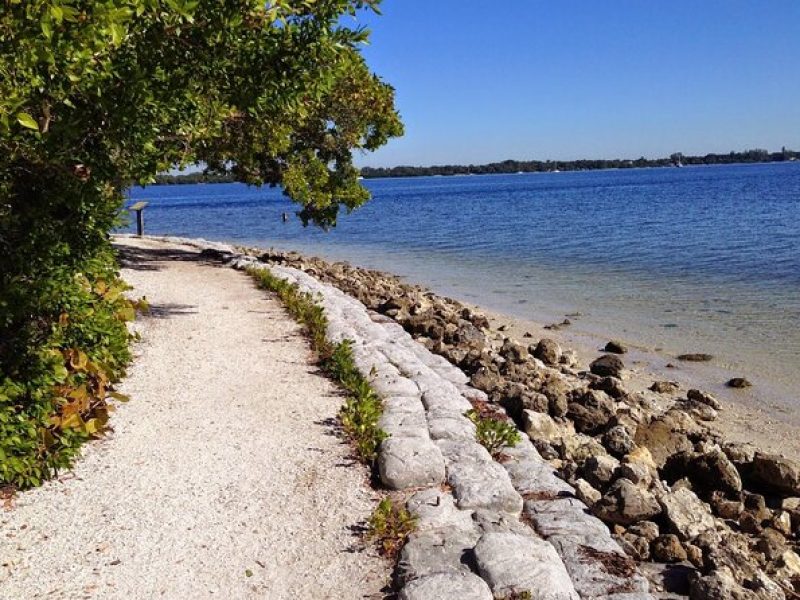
point(511, 167)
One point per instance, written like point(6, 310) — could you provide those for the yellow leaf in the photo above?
point(27, 121)
point(71, 422)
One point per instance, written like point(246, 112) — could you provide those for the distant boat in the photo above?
point(679, 164)
point(360, 177)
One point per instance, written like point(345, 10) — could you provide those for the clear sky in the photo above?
point(482, 81)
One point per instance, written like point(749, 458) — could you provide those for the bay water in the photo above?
point(698, 259)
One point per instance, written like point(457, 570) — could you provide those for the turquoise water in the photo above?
point(701, 259)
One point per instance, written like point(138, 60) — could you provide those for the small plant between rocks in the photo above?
point(493, 434)
point(361, 411)
point(389, 527)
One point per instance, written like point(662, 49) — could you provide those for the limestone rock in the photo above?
point(667, 548)
point(616, 347)
point(591, 412)
point(686, 514)
point(618, 441)
point(599, 470)
point(703, 398)
point(664, 387)
point(587, 493)
point(515, 563)
point(540, 426)
point(626, 503)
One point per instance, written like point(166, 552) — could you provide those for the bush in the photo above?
point(492, 433)
point(389, 527)
point(58, 370)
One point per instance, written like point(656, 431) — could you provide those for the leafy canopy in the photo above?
point(116, 91)
point(98, 95)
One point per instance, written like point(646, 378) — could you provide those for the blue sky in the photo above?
point(485, 81)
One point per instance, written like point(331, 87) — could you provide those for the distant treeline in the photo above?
point(197, 177)
point(538, 166)
point(530, 166)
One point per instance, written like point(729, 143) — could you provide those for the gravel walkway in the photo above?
point(223, 477)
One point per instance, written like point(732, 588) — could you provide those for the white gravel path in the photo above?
point(222, 477)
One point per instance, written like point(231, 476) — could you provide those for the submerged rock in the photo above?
point(738, 382)
point(695, 357)
point(616, 347)
point(664, 387)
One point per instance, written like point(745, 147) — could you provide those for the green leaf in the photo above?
point(27, 121)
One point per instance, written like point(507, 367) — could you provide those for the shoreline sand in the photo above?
point(744, 418)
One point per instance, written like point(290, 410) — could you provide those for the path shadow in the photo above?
point(147, 259)
point(171, 309)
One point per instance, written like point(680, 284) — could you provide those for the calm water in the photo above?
point(701, 259)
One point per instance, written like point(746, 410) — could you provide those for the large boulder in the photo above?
point(708, 472)
point(666, 435)
point(776, 473)
point(548, 351)
point(591, 412)
point(626, 503)
point(607, 365)
point(515, 564)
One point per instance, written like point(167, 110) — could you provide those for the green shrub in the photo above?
point(389, 527)
point(362, 409)
point(492, 433)
point(58, 370)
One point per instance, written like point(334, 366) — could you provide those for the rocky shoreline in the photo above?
point(703, 517)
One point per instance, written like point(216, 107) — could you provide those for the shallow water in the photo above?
point(700, 259)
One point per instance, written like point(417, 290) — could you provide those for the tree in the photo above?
point(98, 95)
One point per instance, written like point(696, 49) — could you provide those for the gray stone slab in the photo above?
point(404, 424)
point(403, 404)
point(564, 518)
point(434, 508)
point(458, 586)
point(457, 450)
point(405, 463)
point(538, 480)
point(442, 550)
point(596, 573)
point(444, 399)
point(478, 484)
point(511, 563)
point(452, 427)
